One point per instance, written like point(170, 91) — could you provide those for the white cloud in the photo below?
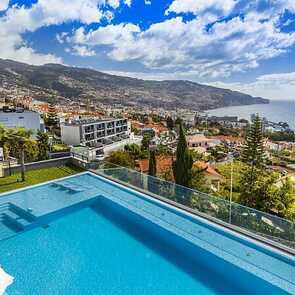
point(273, 86)
point(229, 46)
point(82, 51)
point(184, 49)
point(4, 4)
point(114, 3)
point(106, 35)
point(200, 6)
point(61, 38)
point(128, 2)
point(18, 20)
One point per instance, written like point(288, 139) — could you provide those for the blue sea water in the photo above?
point(275, 111)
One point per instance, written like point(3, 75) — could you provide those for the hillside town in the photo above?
point(125, 136)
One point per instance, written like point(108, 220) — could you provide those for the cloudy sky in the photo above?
point(246, 45)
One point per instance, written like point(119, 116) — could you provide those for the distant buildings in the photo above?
point(228, 121)
point(188, 118)
point(18, 117)
point(200, 142)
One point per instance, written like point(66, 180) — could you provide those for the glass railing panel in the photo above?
point(260, 223)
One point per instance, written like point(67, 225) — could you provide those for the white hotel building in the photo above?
point(100, 136)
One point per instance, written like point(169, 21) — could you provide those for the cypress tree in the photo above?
point(182, 166)
point(152, 164)
point(170, 123)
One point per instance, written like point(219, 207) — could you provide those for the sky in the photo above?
point(244, 45)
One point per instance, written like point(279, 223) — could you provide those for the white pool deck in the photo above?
point(5, 280)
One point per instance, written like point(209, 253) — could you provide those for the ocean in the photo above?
point(275, 111)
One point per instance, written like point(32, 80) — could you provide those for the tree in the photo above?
point(152, 164)
point(170, 123)
point(199, 180)
point(285, 201)
point(253, 149)
point(182, 167)
point(163, 150)
point(178, 121)
point(5, 135)
point(43, 145)
point(31, 151)
point(21, 137)
point(145, 143)
point(121, 158)
point(51, 117)
point(265, 195)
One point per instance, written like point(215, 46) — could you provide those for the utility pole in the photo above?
point(231, 187)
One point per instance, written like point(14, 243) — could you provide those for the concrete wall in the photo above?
point(70, 135)
point(50, 163)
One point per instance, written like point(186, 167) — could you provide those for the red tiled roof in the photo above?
point(156, 126)
point(227, 137)
point(163, 164)
point(209, 169)
point(197, 138)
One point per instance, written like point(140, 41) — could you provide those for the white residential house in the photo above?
point(18, 117)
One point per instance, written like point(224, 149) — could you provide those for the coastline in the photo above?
point(275, 111)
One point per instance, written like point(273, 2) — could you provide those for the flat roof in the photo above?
point(92, 121)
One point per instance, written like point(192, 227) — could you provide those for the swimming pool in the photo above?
point(88, 235)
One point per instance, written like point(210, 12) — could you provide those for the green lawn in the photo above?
point(36, 176)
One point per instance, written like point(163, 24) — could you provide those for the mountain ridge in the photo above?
point(61, 83)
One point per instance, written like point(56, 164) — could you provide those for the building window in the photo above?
point(100, 134)
point(89, 129)
point(89, 137)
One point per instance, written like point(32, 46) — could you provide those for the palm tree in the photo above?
point(20, 137)
point(5, 138)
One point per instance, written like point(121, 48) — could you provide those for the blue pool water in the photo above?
point(90, 252)
point(123, 243)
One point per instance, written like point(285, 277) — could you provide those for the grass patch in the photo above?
point(59, 147)
point(36, 176)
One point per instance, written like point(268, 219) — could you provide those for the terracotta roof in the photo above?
point(158, 127)
point(209, 169)
point(137, 124)
point(163, 164)
point(197, 137)
point(227, 138)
